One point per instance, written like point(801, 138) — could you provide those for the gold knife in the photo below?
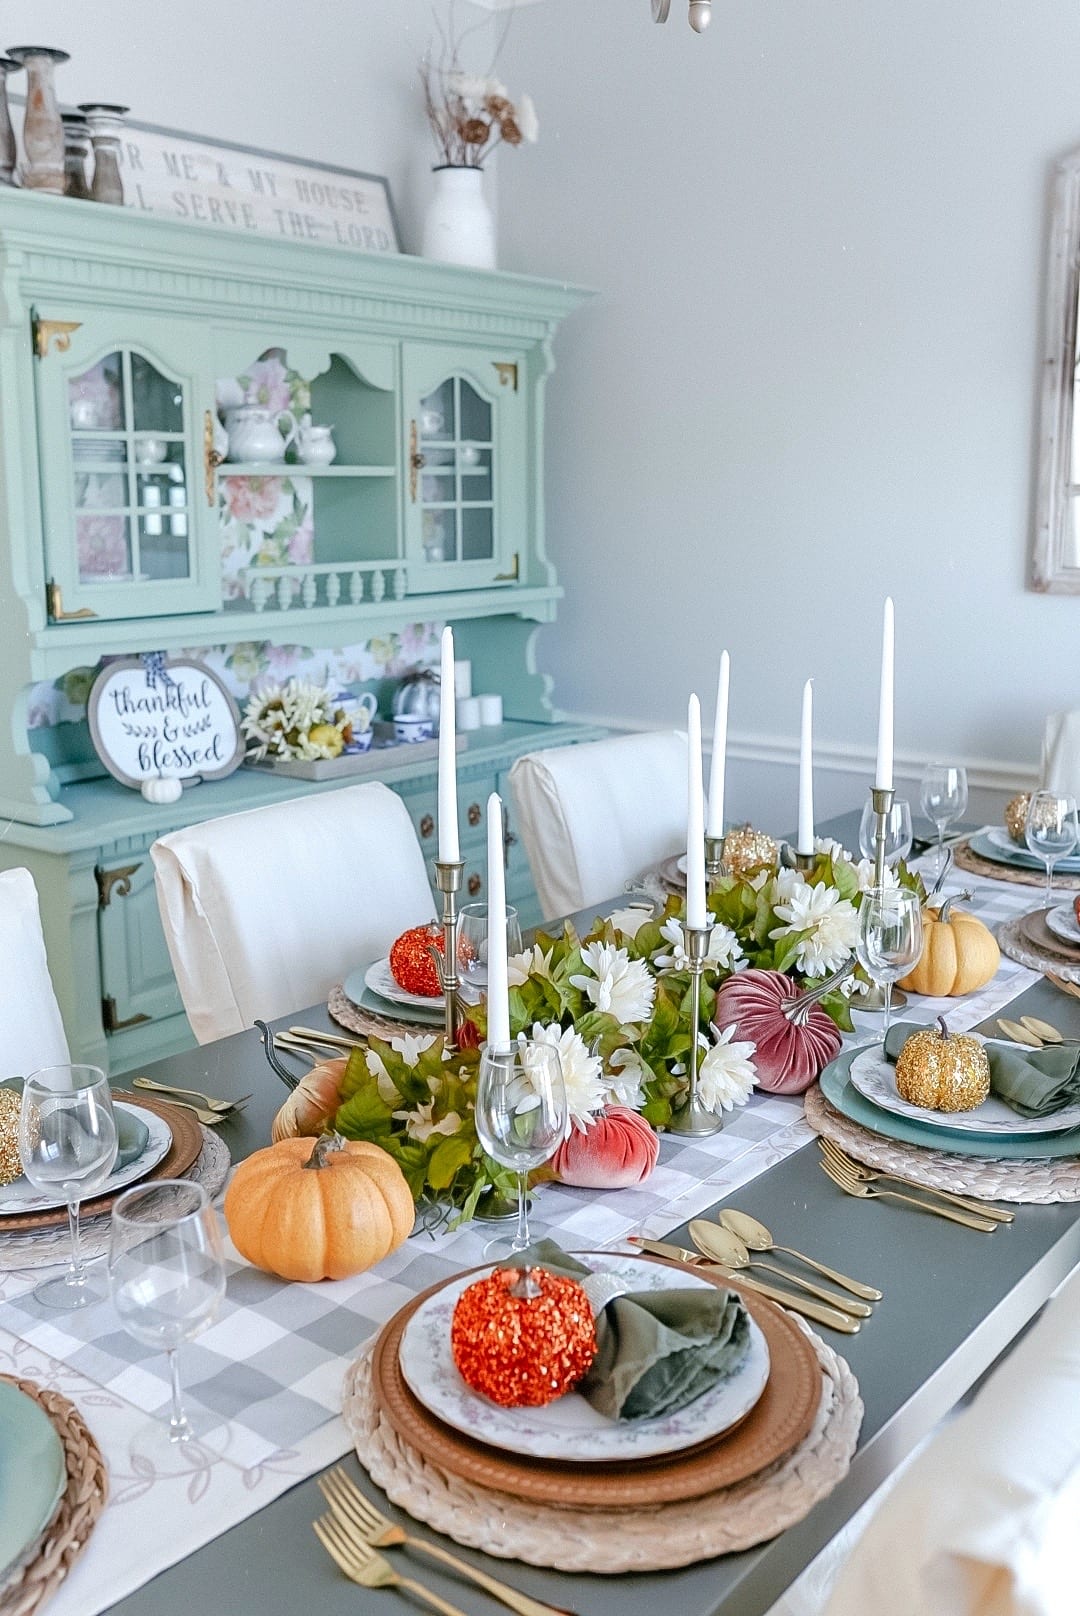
point(817, 1311)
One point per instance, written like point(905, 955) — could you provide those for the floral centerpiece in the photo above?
point(616, 1005)
point(295, 720)
point(470, 114)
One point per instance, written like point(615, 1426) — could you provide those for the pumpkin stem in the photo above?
point(944, 910)
point(525, 1286)
point(944, 1028)
point(324, 1145)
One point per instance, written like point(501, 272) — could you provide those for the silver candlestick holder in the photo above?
point(715, 868)
point(693, 1120)
point(803, 862)
point(448, 880)
point(881, 800)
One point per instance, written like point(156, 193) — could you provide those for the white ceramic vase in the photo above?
point(459, 227)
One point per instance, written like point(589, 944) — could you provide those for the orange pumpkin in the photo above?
point(318, 1213)
point(312, 1103)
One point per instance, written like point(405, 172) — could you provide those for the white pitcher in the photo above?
point(254, 434)
point(315, 445)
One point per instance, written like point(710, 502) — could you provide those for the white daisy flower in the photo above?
point(785, 883)
point(627, 1076)
point(726, 1076)
point(533, 962)
point(831, 921)
point(582, 1073)
point(419, 1126)
point(724, 948)
point(865, 871)
point(836, 850)
point(619, 986)
point(630, 920)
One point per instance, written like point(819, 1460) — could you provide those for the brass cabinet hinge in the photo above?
point(416, 460)
point(507, 372)
point(212, 457)
point(54, 605)
point(47, 331)
point(111, 1022)
point(510, 577)
point(108, 879)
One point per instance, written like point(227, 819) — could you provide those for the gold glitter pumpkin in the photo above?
point(943, 1071)
point(10, 1165)
point(748, 849)
point(1016, 814)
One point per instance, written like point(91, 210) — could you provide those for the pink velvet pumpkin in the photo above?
point(618, 1150)
point(787, 1056)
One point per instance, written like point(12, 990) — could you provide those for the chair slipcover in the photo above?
point(1061, 754)
point(31, 1032)
point(264, 911)
point(984, 1522)
point(594, 816)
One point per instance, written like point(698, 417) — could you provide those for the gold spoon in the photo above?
point(724, 1247)
point(756, 1237)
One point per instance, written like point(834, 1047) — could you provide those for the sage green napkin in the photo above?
point(132, 1134)
point(1034, 1082)
point(657, 1350)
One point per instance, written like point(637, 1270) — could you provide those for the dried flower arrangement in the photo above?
point(471, 114)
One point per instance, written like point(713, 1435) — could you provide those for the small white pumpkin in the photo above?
point(162, 789)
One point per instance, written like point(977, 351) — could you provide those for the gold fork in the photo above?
point(1060, 982)
point(358, 1514)
point(361, 1564)
point(870, 1175)
point(865, 1192)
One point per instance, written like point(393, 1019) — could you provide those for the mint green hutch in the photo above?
point(122, 339)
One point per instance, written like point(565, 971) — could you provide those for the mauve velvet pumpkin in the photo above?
point(618, 1150)
point(787, 1057)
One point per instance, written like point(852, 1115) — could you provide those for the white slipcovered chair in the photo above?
point(31, 1032)
point(265, 910)
point(1061, 754)
point(594, 816)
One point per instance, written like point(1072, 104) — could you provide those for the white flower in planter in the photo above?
point(622, 987)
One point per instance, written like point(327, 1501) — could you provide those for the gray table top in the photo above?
point(954, 1300)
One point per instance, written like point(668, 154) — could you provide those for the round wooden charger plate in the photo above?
point(975, 864)
point(187, 1142)
point(1038, 933)
point(782, 1418)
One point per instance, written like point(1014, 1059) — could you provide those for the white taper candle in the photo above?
point(695, 821)
point(805, 842)
point(714, 824)
point(449, 846)
point(498, 992)
point(883, 778)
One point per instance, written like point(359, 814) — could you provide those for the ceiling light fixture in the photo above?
point(700, 13)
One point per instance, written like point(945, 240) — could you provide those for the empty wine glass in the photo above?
point(890, 938)
point(167, 1277)
point(897, 831)
point(1050, 831)
point(943, 797)
point(472, 947)
point(67, 1145)
point(521, 1118)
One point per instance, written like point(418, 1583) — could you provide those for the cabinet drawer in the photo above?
point(137, 982)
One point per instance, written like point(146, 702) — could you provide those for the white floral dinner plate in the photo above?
point(998, 838)
point(23, 1197)
point(379, 979)
point(875, 1079)
point(570, 1429)
point(1062, 921)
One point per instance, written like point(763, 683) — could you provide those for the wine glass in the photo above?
point(1051, 832)
point(472, 948)
point(521, 1118)
point(943, 797)
point(890, 938)
point(167, 1277)
point(897, 831)
point(67, 1145)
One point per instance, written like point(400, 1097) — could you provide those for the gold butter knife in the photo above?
point(817, 1311)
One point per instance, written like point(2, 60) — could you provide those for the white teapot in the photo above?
point(254, 434)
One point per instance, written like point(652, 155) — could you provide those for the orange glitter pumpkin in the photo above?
point(523, 1337)
point(411, 964)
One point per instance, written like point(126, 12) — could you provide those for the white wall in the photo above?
point(811, 373)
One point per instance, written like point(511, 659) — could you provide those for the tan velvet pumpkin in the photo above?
point(319, 1211)
point(959, 954)
point(312, 1103)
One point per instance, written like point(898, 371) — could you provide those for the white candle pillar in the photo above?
point(498, 991)
point(449, 847)
point(714, 825)
point(883, 778)
point(695, 822)
point(805, 842)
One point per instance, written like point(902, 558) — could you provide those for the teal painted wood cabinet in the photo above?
point(125, 343)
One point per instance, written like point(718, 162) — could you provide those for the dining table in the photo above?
point(954, 1301)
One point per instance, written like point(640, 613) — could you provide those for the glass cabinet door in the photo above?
point(464, 460)
point(129, 520)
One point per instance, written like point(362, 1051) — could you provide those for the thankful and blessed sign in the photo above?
point(178, 176)
point(150, 717)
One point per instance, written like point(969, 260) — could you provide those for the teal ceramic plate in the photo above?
point(33, 1475)
point(994, 848)
point(838, 1089)
point(361, 995)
